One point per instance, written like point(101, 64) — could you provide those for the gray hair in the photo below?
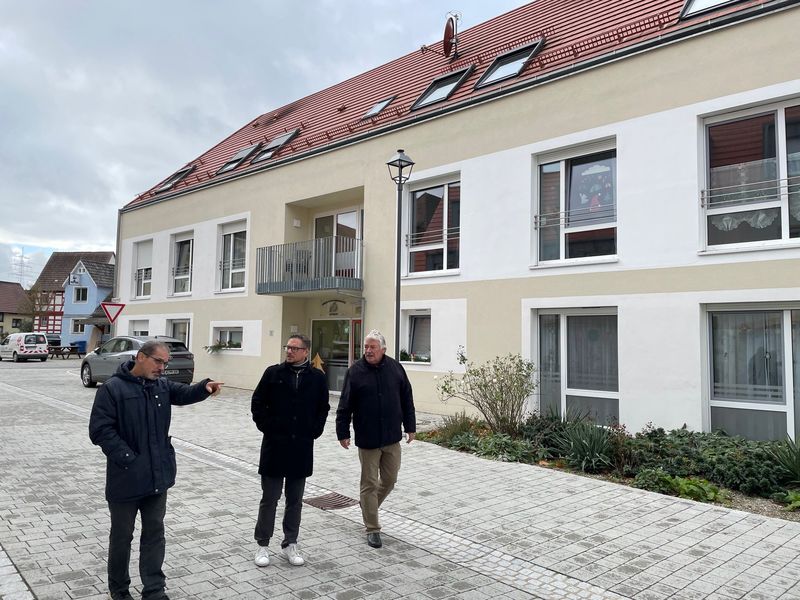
point(149, 346)
point(304, 339)
point(377, 336)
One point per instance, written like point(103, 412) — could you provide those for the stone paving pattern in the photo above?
point(456, 526)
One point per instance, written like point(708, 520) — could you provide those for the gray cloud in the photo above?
point(102, 99)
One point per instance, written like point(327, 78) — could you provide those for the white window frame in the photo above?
point(177, 240)
point(171, 329)
point(778, 109)
point(139, 327)
point(224, 334)
point(562, 314)
point(788, 376)
point(408, 317)
point(562, 156)
point(227, 231)
point(77, 326)
point(448, 232)
point(142, 274)
point(75, 299)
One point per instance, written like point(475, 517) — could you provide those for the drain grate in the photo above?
point(330, 501)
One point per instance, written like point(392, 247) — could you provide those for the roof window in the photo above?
point(510, 64)
point(179, 176)
point(441, 88)
point(693, 7)
point(276, 144)
point(378, 107)
point(238, 158)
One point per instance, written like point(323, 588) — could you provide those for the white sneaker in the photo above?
point(262, 556)
point(291, 554)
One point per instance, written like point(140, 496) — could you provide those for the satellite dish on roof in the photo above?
point(450, 37)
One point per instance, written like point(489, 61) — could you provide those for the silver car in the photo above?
point(103, 362)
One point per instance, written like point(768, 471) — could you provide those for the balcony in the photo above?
point(330, 263)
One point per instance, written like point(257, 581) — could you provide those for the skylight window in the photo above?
point(276, 144)
point(378, 107)
point(693, 7)
point(442, 88)
point(179, 176)
point(238, 158)
point(510, 64)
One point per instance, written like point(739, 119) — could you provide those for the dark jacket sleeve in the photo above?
point(103, 428)
point(407, 403)
point(181, 394)
point(259, 403)
point(344, 413)
point(322, 403)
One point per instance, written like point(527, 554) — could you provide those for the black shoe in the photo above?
point(374, 539)
point(121, 596)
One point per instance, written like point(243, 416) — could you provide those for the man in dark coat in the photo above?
point(377, 397)
point(130, 422)
point(289, 407)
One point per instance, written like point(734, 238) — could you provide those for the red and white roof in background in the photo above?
point(577, 35)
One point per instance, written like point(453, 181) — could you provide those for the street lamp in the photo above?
point(397, 171)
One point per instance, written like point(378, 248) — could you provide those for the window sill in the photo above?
point(231, 291)
point(415, 363)
point(426, 274)
point(751, 247)
point(179, 295)
point(575, 262)
point(135, 298)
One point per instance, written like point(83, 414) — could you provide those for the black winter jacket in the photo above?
point(130, 422)
point(378, 399)
point(290, 409)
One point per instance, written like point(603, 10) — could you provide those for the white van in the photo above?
point(23, 346)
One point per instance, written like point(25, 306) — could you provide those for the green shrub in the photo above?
point(787, 456)
point(655, 480)
point(791, 498)
point(498, 389)
point(502, 446)
point(466, 441)
point(698, 489)
point(585, 446)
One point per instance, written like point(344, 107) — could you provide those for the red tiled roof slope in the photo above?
point(575, 32)
point(12, 298)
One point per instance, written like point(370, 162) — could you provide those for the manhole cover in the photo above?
point(331, 501)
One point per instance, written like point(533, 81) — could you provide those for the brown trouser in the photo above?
point(379, 467)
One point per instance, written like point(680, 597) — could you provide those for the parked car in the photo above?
point(53, 339)
point(24, 346)
point(103, 362)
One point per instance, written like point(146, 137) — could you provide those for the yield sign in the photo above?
point(112, 310)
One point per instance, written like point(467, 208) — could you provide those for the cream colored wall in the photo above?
point(712, 65)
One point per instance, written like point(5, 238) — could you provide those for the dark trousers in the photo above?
point(151, 544)
point(271, 493)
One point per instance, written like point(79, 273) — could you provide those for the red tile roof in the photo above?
point(12, 298)
point(577, 35)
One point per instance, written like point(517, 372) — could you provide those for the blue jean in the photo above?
point(271, 493)
point(152, 545)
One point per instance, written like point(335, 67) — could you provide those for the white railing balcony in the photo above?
point(329, 263)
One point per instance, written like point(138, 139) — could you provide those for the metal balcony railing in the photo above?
point(328, 263)
point(750, 193)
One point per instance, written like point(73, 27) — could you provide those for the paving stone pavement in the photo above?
point(456, 526)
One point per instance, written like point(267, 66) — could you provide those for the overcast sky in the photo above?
point(102, 99)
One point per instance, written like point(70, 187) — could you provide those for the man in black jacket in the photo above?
point(289, 406)
point(130, 422)
point(377, 397)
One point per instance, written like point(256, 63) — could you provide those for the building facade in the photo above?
point(88, 284)
point(615, 199)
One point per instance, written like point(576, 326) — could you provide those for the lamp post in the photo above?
point(397, 171)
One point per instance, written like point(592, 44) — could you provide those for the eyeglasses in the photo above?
point(159, 361)
point(294, 348)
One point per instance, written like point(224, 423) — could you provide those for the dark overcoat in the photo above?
point(379, 400)
point(290, 409)
point(130, 422)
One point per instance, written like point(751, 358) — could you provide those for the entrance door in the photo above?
point(332, 341)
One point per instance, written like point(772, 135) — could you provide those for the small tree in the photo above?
point(497, 388)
